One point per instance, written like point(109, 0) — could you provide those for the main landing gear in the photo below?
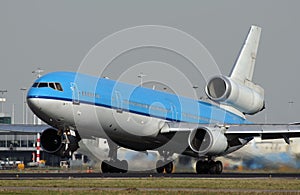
point(114, 165)
point(164, 166)
point(209, 167)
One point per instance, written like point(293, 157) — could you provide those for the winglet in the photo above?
point(244, 66)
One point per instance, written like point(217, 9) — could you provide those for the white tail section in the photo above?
point(244, 66)
point(238, 91)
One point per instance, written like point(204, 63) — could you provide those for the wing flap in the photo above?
point(263, 129)
point(266, 131)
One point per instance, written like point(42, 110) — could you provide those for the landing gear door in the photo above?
point(75, 94)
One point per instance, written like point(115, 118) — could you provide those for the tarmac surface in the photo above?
point(157, 190)
point(144, 175)
point(137, 190)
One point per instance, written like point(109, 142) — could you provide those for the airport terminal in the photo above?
point(19, 144)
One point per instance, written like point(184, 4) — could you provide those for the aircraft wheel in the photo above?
point(159, 166)
point(105, 166)
point(116, 166)
point(219, 167)
point(212, 168)
point(169, 167)
point(124, 166)
point(201, 167)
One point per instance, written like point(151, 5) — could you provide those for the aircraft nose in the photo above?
point(34, 104)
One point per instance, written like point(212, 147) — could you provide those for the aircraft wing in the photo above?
point(265, 131)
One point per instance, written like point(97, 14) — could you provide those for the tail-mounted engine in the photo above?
point(61, 144)
point(208, 141)
point(247, 97)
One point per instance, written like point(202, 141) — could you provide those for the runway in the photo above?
point(150, 183)
point(4, 176)
point(105, 190)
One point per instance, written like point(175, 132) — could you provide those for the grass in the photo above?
point(149, 186)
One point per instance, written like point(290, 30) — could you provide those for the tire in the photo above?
point(169, 167)
point(200, 167)
point(219, 167)
point(124, 166)
point(212, 167)
point(105, 167)
point(159, 166)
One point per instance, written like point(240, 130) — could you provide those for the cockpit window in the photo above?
point(52, 85)
point(58, 87)
point(43, 85)
point(35, 84)
point(55, 86)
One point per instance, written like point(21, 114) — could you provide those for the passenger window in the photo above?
point(52, 86)
point(58, 87)
point(43, 85)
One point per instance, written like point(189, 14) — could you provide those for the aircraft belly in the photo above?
point(122, 122)
point(128, 129)
point(87, 121)
point(105, 122)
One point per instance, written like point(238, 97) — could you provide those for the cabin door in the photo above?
point(75, 94)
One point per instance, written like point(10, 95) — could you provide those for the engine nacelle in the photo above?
point(208, 141)
point(53, 143)
point(247, 97)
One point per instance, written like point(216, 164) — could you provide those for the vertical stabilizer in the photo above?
point(238, 93)
point(244, 66)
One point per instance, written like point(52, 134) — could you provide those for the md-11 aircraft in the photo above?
point(79, 106)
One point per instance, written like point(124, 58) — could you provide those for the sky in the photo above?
point(58, 35)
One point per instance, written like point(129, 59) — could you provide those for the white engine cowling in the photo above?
point(247, 97)
point(207, 141)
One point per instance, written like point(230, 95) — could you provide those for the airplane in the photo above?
point(79, 106)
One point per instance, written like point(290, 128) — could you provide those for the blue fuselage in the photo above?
point(101, 92)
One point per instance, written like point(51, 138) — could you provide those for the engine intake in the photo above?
point(246, 97)
point(60, 145)
point(51, 142)
point(207, 141)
